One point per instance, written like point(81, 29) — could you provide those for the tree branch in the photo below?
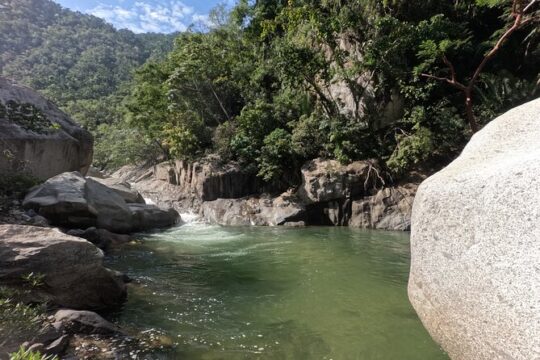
point(517, 12)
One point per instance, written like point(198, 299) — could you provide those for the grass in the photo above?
point(25, 354)
point(19, 322)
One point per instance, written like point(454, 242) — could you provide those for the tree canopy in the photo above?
point(271, 84)
point(275, 83)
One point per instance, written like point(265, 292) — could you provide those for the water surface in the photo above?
point(274, 293)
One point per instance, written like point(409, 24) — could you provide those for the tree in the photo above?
point(520, 17)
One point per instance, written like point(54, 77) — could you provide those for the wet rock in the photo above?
point(151, 217)
point(475, 275)
point(58, 346)
point(72, 268)
point(39, 220)
point(84, 322)
point(102, 238)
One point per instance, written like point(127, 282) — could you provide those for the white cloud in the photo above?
point(167, 17)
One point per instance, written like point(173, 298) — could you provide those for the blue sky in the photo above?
point(140, 16)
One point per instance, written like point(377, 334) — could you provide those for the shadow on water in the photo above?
point(274, 293)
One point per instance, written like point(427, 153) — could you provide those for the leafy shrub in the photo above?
point(276, 155)
point(28, 116)
point(16, 184)
point(18, 322)
point(25, 354)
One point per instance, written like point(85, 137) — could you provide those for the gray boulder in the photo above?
point(83, 322)
point(253, 211)
point(122, 188)
point(72, 201)
point(72, 268)
point(146, 217)
point(475, 274)
point(37, 138)
point(389, 209)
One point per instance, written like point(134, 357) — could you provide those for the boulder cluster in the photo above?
point(330, 194)
point(52, 243)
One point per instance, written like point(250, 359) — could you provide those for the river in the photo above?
point(274, 293)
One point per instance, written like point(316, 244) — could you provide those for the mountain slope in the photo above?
point(76, 60)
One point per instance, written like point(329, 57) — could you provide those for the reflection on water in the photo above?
point(274, 293)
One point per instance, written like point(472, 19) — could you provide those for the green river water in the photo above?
point(274, 293)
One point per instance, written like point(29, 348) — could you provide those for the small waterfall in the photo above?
point(191, 218)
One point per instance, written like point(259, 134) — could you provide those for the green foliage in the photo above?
point(18, 322)
point(25, 354)
point(80, 62)
point(16, 184)
point(276, 156)
point(34, 280)
point(118, 145)
point(411, 149)
point(263, 82)
point(275, 83)
point(27, 116)
point(186, 136)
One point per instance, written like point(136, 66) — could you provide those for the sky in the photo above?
point(162, 16)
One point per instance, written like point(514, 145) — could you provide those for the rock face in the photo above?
point(185, 186)
point(72, 201)
point(330, 194)
point(327, 180)
point(389, 209)
point(37, 138)
point(72, 268)
point(475, 275)
point(208, 179)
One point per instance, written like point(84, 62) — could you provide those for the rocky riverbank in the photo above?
point(53, 237)
point(330, 194)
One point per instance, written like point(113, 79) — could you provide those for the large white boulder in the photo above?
point(475, 273)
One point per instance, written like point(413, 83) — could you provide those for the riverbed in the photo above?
point(274, 293)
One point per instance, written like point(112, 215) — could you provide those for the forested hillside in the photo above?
point(76, 60)
point(276, 83)
point(281, 82)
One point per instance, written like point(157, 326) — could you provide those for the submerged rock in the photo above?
point(83, 322)
point(101, 238)
point(72, 201)
point(37, 138)
point(70, 269)
point(475, 275)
